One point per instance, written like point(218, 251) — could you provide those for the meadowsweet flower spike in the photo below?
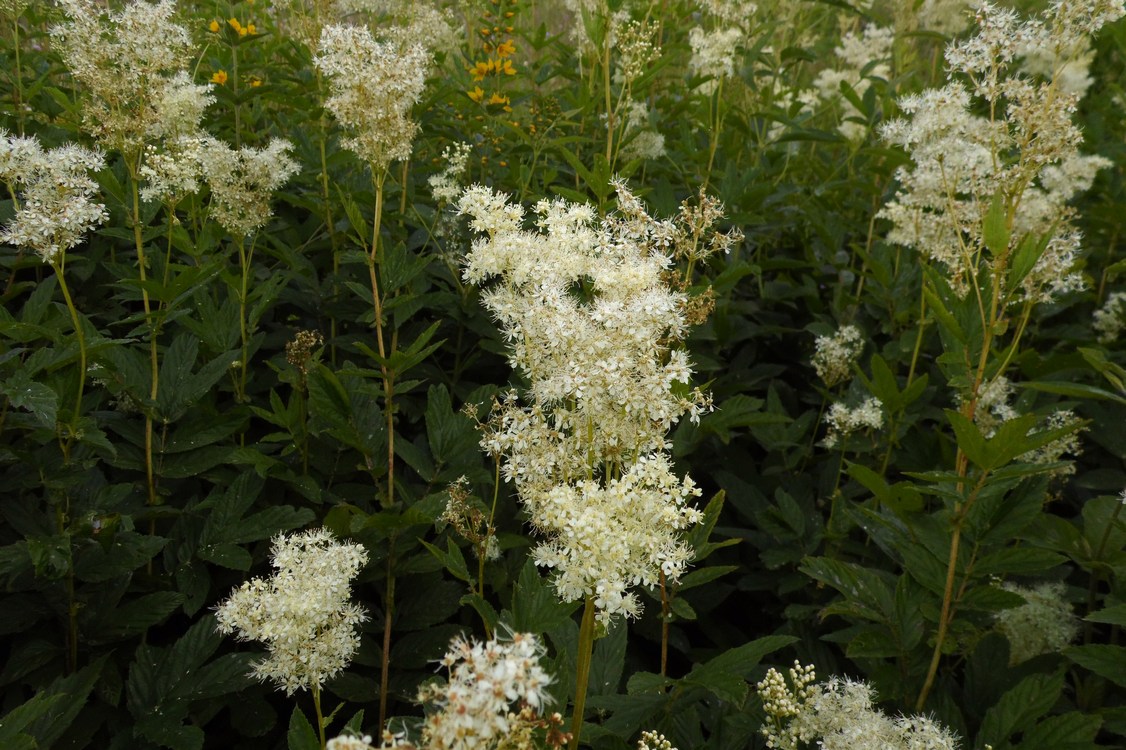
point(128, 61)
point(373, 87)
point(55, 204)
point(474, 710)
point(1044, 624)
point(834, 355)
point(302, 612)
point(243, 181)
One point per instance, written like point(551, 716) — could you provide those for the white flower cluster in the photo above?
point(864, 56)
point(132, 64)
point(843, 421)
point(1026, 150)
point(444, 186)
point(641, 141)
point(54, 195)
point(373, 87)
point(243, 181)
point(603, 539)
point(1110, 319)
point(473, 711)
point(839, 715)
point(302, 612)
point(1044, 624)
point(350, 742)
point(589, 317)
point(834, 355)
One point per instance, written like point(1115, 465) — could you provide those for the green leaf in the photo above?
point(52, 721)
point(301, 735)
point(1102, 659)
point(1019, 707)
point(1113, 615)
point(725, 675)
point(39, 399)
point(452, 559)
point(1028, 252)
point(136, 616)
point(995, 230)
point(535, 606)
point(1071, 731)
point(12, 736)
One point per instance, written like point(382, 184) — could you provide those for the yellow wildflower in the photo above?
point(250, 29)
point(480, 70)
point(477, 94)
point(213, 27)
point(506, 48)
point(498, 98)
point(506, 68)
point(254, 81)
point(219, 77)
point(234, 24)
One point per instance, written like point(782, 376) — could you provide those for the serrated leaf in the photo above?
point(725, 675)
point(39, 399)
point(1019, 707)
point(1103, 659)
point(535, 606)
point(1071, 731)
point(301, 735)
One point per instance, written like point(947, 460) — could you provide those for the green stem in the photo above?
point(81, 335)
point(18, 73)
point(320, 715)
point(380, 177)
point(582, 672)
point(133, 164)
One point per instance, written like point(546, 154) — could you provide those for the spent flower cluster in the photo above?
point(302, 613)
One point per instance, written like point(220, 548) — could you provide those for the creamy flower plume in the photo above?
point(54, 195)
point(131, 62)
point(1044, 624)
point(590, 320)
point(839, 714)
point(373, 87)
point(302, 612)
point(1026, 152)
point(243, 181)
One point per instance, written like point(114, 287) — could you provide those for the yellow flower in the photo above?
point(250, 29)
point(254, 80)
point(479, 70)
point(506, 68)
point(213, 27)
point(506, 48)
point(219, 77)
point(497, 98)
point(477, 94)
point(234, 24)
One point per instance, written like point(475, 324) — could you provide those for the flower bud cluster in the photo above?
point(844, 420)
point(302, 612)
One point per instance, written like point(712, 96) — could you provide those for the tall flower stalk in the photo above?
point(986, 204)
point(592, 322)
point(373, 86)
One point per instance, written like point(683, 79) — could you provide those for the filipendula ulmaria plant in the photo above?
point(595, 326)
point(302, 613)
point(995, 161)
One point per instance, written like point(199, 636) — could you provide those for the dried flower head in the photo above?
point(54, 195)
point(302, 612)
point(299, 351)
